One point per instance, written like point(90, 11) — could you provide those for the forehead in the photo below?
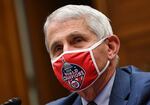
point(58, 26)
point(60, 30)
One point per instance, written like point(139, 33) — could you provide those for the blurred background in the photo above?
point(25, 69)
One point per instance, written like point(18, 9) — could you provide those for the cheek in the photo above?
point(100, 56)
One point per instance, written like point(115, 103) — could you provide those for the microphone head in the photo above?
point(13, 101)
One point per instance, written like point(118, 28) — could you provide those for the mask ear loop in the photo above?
point(96, 67)
point(93, 59)
point(101, 72)
point(97, 43)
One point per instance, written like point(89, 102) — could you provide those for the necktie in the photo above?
point(91, 103)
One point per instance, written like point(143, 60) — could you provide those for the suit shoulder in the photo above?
point(65, 100)
point(133, 70)
point(139, 85)
point(136, 74)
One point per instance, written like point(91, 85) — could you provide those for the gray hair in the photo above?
point(96, 21)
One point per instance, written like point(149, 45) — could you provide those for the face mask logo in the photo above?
point(73, 74)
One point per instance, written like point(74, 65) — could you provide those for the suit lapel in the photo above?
point(77, 101)
point(121, 88)
point(120, 91)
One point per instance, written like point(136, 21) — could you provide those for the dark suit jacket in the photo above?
point(131, 87)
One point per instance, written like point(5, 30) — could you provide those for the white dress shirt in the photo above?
point(103, 97)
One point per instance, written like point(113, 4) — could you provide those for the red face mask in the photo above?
point(77, 70)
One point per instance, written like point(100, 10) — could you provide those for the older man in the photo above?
point(83, 51)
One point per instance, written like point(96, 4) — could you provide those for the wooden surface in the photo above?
point(48, 86)
point(131, 22)
point(12, 76)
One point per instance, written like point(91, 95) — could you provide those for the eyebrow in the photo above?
point(72, 34)
point(76, 33)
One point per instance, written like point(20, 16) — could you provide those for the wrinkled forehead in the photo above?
point(61, 19)
point(58, 29)
point(57, 25)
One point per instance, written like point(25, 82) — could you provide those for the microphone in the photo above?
point(13, 101)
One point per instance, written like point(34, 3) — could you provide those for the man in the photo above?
point(83, 51)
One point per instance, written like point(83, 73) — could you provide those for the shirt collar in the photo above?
point(103, 97)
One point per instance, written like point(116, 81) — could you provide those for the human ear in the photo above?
point(113, 43)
